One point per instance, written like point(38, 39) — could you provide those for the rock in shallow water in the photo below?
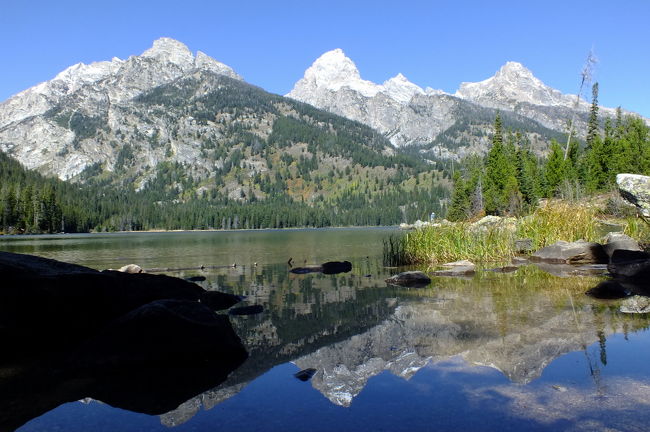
point(578, 252)
point(413, 279)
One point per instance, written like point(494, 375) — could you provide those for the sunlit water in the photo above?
point(521, 351)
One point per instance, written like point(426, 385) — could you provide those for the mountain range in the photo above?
point(87, 114)
point(452, 124)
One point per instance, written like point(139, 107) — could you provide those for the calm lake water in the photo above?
point(496, 352)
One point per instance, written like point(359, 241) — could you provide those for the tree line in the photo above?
point(511, 179)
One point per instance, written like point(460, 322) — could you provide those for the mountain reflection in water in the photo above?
point(351, 328)
point(525, 349)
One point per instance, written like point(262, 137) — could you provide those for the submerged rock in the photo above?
point(413, 279)
point(505, 269)
point(578, 252)
point(456, 271)
point(635, 189)
point(462, 263)
point(457, 268)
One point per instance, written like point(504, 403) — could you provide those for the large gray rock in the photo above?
point(635, 189)
point(578, 252)
point(618, 241)
point(631, 266)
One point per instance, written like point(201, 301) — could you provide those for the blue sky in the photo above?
point(270, 43)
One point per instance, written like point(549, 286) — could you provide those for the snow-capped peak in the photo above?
point(401, 89)
point(511, 84)
point(333, 71)
point(171, 50)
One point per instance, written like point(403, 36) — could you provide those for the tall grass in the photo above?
point(556, 220)
point(637, 229)
point(559, 220)
point(452, 243)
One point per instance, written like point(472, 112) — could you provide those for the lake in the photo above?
point(495, 352)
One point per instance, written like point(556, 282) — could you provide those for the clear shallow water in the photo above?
point(522, 351)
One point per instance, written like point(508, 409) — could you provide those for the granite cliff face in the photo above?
point(85, 114)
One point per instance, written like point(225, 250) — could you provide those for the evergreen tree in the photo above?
point(554, 172)
point(459, 209)
point(592, 127)
point(501, 189)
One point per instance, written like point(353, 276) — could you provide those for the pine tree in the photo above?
point(592, 127)
point(501, 186)
point(459, 208)
point(554, 172)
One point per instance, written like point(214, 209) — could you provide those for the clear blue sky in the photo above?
point(270, 43)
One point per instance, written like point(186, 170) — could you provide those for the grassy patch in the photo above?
point(559, 220)
point(556, 220)
point(451, 242)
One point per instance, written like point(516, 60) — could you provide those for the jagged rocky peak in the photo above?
point(401, 89)
point(170, 50)
point(514, 70)
point(513, 83)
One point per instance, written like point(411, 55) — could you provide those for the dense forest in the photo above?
point(31, 203)
point(511, 179)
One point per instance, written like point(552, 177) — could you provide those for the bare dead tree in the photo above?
point(585, 79)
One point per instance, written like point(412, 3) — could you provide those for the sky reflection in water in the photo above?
point(523, 351)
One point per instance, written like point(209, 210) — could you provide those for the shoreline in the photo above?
point(215, 230)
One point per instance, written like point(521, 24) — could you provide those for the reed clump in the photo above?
point(560, 220)
point(453, 242)
point(553, 221)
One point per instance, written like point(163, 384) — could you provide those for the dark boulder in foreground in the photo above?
point(578, 252)
point(217, 300)
point(140, 342)
point(330, 267)
point(46, 301)
point(412, 279)
point(169, 339)
point(150, 361)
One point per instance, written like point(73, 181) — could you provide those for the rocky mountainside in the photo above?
point(87, 112)
point(408, 114)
